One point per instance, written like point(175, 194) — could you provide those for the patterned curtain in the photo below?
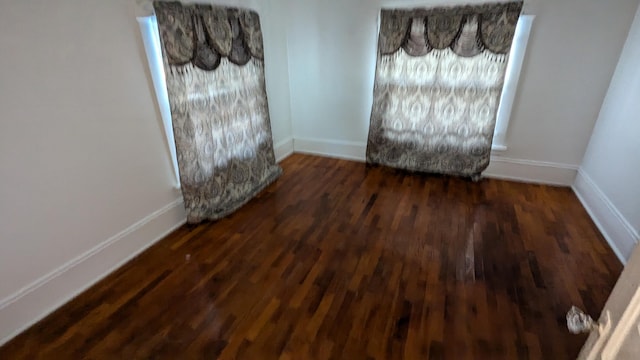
point(215, 80)
point(438, 81)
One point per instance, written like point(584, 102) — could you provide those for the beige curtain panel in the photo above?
point(437, 88)
point(215, 80)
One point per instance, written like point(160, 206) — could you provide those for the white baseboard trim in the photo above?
point(499, 168)
point(539, 172)
point(283, 149)
point(37, 300)
point(347, 150)
point(615, 228)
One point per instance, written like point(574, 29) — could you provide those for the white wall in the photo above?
point(82, 152)
point(85, 176)
point(573, 49)
point(609, 176)
point(331, 67)
point(273, 18)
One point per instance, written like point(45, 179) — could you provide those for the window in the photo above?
point(439, 83)
point(151, 39)
point(512, 75)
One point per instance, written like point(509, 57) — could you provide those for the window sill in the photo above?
point(498, 148)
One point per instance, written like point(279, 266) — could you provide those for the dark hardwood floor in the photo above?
point(340, 260)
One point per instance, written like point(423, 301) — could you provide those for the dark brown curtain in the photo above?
point(215, 80)
point(438, 82)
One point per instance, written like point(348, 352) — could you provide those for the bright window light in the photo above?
point(516, 57)
point(151, 39)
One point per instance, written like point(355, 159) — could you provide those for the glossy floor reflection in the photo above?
point(340, 260)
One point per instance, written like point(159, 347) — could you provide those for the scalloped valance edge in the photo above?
point(467, 30)
point(202, 34)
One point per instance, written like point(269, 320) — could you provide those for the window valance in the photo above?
point(467, 30)
point(203, 34)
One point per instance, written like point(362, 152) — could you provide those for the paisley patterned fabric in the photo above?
point(393, 30)
point(252, 35)
point(218, 28)
point(239, 51)
point(444, 25)
point(416, 44)
point(435, 113)
point(219, 112)
point(442, 30)
point(176, 31)
point(439, 77)
point(206, 57)
point(468, 43)
point(202, 34)
point(498, 28)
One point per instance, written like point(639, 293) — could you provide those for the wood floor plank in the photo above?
point(339, 260)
